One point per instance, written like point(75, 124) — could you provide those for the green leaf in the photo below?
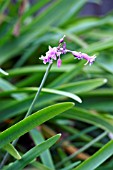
point(40, 166)
point(105, 103)
point(99, 46)
point(12, 151)
point(85, 24)
point(4, 5)
point(34, 89)
point(3, 72)
point(73, 8)
point(87, 116)
point(106, 63)
point(62, 155)
point(46, 155)
point(100, 92)
point(32, 121)
point(34, 8)
point(38, 68)
point(98, 158)
point(33, 153)
point(71, 166)
point(38, 26)
point(83, 86)
point(78, 87)
point(5, 85)
point(88, 145)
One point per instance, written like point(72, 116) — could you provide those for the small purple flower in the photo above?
point(89, 59)
point(92, 59)
point(52, 53)
point(76, 54)
point(59, 53)
point(80, 55)
point(59, 62)
point(64, 48)
point(62, 39)
point(45, 60)
point(55, 53)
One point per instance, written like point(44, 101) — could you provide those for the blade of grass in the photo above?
point(98, 158)
point(73, 11)
point(32, 121)
point(16, 108)
point(83, 86)
point(5, 85)
point(39, 166)
point(3, 72)
point(59, 92)
point(83, 148)
point(34, 8)
point(38, 68)
point(12, 151)
point(99, 46)
point(46, 155)
point(85, 24)
point(87, 116)
point(71, 166)
point(33, 153)
point(62, 156)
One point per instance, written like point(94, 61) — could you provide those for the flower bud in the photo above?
point(59, 62)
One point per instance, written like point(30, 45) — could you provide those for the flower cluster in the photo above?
point(55, 54)
point(79, 55)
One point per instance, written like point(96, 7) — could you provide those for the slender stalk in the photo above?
point(29, 110)
point(38, 92)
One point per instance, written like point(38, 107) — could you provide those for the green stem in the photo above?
point(29, 110)
point(38, 92)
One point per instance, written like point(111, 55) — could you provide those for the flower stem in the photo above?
point(29, 110)
point(38, 92)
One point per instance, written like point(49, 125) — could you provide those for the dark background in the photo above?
point(99, 8)
point(104, 7)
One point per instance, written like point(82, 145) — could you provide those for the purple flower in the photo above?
point(52, 53)
point(76, 54)
point(55, 53)
point(45, 59)
point(80, 55)
point(64, 48)
point(59, 62)
point(62, 39)
point(92, 59)
point(89, 59)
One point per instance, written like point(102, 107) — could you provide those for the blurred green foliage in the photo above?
point(26, 30)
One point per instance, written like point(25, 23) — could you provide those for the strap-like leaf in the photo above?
point(32, 121)
point(98, 158)
point(12, 151)
point(33, 153)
